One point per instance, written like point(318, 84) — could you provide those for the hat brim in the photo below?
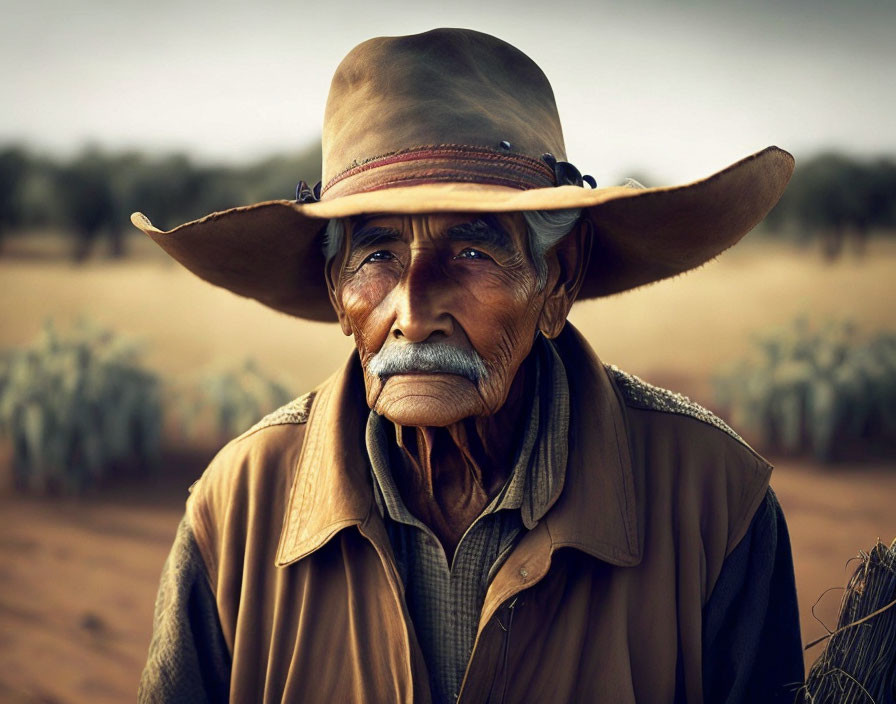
point(272, 251)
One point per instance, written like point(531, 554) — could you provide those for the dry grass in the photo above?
point(832, 513)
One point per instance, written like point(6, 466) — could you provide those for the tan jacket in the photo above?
point(601, 601)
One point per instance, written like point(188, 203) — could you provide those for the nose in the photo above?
point(422, 311)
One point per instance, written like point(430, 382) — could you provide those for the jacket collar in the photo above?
point(596, 511)
point(331, 489)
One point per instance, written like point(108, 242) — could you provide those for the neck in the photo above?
point(449, 475)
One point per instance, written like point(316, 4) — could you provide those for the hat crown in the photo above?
point(453, 120)
point(443, 87)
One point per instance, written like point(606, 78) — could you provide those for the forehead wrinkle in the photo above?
point(373, 235)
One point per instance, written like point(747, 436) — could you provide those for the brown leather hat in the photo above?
point(456, 120)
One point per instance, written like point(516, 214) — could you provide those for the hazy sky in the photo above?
point(674, 90)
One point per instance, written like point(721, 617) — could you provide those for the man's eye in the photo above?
point(382, 255)
point(470, 253)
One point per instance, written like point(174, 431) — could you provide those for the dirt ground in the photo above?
point(78, 578)
point(77, 586)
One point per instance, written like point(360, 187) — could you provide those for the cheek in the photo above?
point(504, 338)
point(364, 300)
point(502, 315)
point(514, 282)
point(511, 340)
point(495, 299)
point(368, 286)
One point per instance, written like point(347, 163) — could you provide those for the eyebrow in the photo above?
point(481, 232)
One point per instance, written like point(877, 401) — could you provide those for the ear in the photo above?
point(334, 289)
point(567, 262)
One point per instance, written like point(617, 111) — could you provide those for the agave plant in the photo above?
point(231, 400)
point(76, 407)
point(815, 389)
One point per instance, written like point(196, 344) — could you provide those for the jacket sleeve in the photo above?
point(188, 657)
point(752, 651)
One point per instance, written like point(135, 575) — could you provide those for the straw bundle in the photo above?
point(858, 665)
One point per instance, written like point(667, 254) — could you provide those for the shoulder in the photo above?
point(637, 393)
point(249, 478)
point(690, 455)
point(269, 443)
point(676, 414)
point(293, 413)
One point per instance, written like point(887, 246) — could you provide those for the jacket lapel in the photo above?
point(331, 489)
point(597, 511)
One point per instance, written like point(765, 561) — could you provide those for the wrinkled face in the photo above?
point(463, 288)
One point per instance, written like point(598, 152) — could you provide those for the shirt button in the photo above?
point(524, 572)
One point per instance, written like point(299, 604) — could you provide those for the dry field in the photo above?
point(78, 578)
point(677, 332)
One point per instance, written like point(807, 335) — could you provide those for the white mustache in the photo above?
point(438, 357)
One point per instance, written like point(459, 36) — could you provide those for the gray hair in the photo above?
point(333, 236)
point(545, 229)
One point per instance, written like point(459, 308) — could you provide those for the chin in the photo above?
point(428, 400)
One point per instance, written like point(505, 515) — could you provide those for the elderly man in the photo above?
point(473, 508)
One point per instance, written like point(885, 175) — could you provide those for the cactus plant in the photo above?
point(77, 407)
point(818, 390)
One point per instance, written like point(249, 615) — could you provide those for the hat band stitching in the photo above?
point(453, 177)
point(528, 172)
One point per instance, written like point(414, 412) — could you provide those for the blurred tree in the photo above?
point(13, 166)
point(39, 204)
point(172, 190)
point(164, 187)
point(95, 193)
point(831, 200)
point(277, 176)
point(220, 188)
point(83, 187)
point(833, 197)
point(881, 193)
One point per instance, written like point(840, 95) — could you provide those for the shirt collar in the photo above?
point(540, 468)
point(591, 506)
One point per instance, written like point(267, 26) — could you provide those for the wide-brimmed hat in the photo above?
point(454, 120)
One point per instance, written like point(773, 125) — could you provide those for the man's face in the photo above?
point(454, 279)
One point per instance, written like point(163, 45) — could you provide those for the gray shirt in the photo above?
point(445, 600)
